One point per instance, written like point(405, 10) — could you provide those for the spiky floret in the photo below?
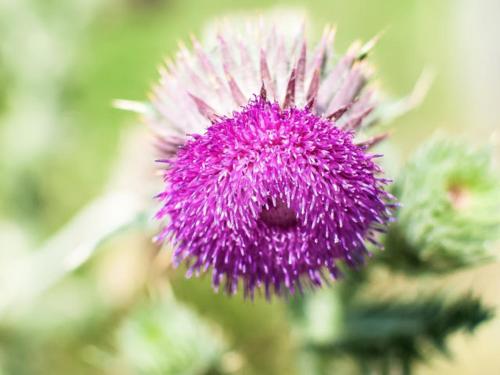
point(272, 196)
point(271, 188)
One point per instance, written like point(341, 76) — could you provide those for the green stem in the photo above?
point(406, 367)
point(385, 366)
point(71, 247)
point(364, 367)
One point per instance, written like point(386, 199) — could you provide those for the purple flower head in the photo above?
point(265, 183)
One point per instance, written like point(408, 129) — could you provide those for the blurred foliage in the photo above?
point(62, 62)
point(167, 338)
point(384, 334)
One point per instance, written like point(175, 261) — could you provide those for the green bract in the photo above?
point(450, 214)
point(168, 338)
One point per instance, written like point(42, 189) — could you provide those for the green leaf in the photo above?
point(376, 333)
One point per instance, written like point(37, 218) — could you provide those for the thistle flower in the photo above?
point(451, 207)
point(265, 182)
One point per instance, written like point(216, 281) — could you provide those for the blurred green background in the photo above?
point(62, 144)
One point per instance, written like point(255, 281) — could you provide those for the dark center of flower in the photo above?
point(278, 215)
